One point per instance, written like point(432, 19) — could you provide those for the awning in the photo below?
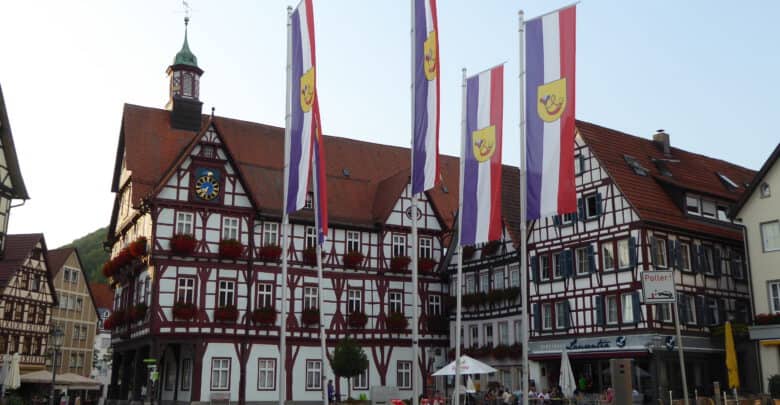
point(69, 380)
point(771, 342)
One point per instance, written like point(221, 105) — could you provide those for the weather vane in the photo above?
point(187, 11)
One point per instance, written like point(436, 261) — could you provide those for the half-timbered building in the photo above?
point(195, 240)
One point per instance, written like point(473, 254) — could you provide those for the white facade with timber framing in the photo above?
point(194, 239)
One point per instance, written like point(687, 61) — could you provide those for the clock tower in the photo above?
point(184, 88)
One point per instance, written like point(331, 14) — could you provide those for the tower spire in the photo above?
point(184, 75)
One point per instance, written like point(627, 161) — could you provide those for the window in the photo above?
point(227, 293)
point(74, 360)
point(690, 308)
point(514, 274)
point(270, 233)
point(185, 290)
point(266, 374)
point(546, 316)
point(230, 228)
point(498, 279)
point(608, 256)
point(184, 223)
point(76, 332)
point(558, 265)
point(474, 336)
point(426, 248)
point(612, 310)
point(355, 301)
point(561, 315)
point(395, 302)
point(582, 260)
point(770, 235)
point(311, 237)
point(399, 245)
point(207, 151)
point(434, 305)
point(484, 281)
point(503, 333)
point(360, 382)
point(579, 164)
point(220, 374)
point(709, 266)
point(774, 296)
point(310, 297)
point(659, 252)
point(186, 370)
point(663, 312)
point(624, 255)
point(353, 241)
point(313, 374)
point(685, 256)
point(518, 336)
point(592, 206)
point(544, 267)
point(567, 219)
point(265, 295)
point(309, 202)
point(692, 204)
point(66, 275)
point(488, 335)
point(470, 284)
point(36, 283)
point(723, 213)
point(628, 308)
point(713, 315)
point(403, 376)
point(765, 191)
point(170, 376)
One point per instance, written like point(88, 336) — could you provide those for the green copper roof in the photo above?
point(185, 56)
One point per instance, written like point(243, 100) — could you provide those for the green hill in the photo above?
point(90, 248)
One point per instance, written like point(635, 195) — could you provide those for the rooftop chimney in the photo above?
point(661, 140)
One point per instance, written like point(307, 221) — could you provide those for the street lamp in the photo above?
point(55, 336)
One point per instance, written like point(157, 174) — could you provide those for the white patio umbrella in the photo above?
point(12, 380)
point(467, 365)
point(566, 380)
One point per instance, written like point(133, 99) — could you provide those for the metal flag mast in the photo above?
point(524, 374)
point(415, 320)
point(315, 182)
point(458, 282)
point(285, 219)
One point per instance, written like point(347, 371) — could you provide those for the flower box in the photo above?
point(264, 316)
point(310, 256)
point(491, 248)
point(501, 352)
point(357, 319)
point(230, 248)
point(116, 319)
point(396, 322)
point(438, 324)
point(353, 259)
point(226, 314)
point(184, 311)
point(122, 259)
point(138, 247)
point(425, 264)
point(310, 316)
point(767, 319)
point(270, 253)
point(138, 312)
point(108, 269)
point(400, 263)
point(183, 244)
point(495, 297)
point(468, 252)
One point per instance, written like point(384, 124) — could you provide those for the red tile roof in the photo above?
point(17, 250)
point(57, 258)
point(770, 162)
point(102, 294)
point(647, 194)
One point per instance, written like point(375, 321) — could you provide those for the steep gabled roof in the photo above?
point(7, 139)
point(57, 258)
point(770, 162)
point(648, 194)
point(17, 249)
point(103, 296)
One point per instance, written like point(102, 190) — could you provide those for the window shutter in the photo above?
point(537, 317)
point(695, 263)
point(599, 210)
point(705, 259)
point(636, 306)
point(717, 265)
point(682, 308)
point(672, 259)
point(701, 311)
point(567, 318)
point(570, 262)
point(699, 255)
point(721, 311)
point(632, 248)
point(678, 254)
point(557, 220)
point(653, 243)
point(535, 269)
point(600, 310)
point(581, 208)
point(591, 259)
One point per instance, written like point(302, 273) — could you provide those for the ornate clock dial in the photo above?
point(207, 187)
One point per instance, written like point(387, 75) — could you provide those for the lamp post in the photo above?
point(55, 335)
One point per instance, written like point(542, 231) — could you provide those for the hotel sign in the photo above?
point(658, 287)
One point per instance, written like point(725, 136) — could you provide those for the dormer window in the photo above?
point(692, 204)
point(764, 190)
point(208, 151)
point(309, 202)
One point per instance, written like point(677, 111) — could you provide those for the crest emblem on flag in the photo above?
point(307, 90)
point(484, 143)
point(551, 100)
point(431, 65)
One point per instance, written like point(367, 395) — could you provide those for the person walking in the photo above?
point(331, 393)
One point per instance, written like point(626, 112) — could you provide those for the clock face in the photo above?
point(207, 186)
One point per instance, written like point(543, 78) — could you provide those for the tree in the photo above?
point(349, 360)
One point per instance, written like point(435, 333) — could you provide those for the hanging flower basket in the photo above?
point(438, 324)
point(491, 248)
point(264, 316)
point(353, 259)
point(767, 319)
point(184, 311)
point(138, 247)
point(108, 269)
point(468, 252)
point(183, 244)
point(357, 319)
point(226, 314)
point(501, 352)
point(230, 248)
point(310, 256)
point(425, 264)
point(116, 319)
point(310, 316)
point(400, 263)
point(396, 322)
point(122, 259)
point(137, 312)
point(270, 253)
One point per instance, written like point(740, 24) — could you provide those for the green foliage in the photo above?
point(92, 254)
point(14, 400)
point(774, 386)
point(349, 359)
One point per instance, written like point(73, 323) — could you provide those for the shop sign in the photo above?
point(658, 287)
point(576, 344)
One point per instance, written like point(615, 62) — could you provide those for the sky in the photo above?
point(706, 72)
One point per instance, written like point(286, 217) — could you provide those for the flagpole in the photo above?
point(285, 220)
point(415, 288)
point(323, 349)
point(458, 279)
point(524, 372)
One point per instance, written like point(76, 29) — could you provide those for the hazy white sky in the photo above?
point(704, 71)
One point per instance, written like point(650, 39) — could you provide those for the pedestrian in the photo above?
point(331, 393)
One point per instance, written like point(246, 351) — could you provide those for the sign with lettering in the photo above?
point(658, 287)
